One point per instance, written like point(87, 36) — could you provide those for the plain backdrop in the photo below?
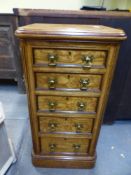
point(6, 6)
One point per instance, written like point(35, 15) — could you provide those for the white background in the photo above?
point(6, 6)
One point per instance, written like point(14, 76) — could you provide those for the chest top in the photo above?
point(97, 32)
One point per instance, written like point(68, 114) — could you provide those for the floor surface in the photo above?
point(113, 149)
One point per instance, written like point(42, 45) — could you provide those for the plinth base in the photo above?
point(53, 161)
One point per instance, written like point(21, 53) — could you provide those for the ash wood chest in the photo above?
point(68, 72)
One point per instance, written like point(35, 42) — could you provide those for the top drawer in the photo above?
point(70, 58)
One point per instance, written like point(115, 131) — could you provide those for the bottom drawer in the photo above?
point(66, 144)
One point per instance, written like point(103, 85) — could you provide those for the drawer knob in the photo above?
point(52, 147)
point(81, 106)
point(76, 147)
point(87, 60)
point(52, 126)
point(51, 83)
point(84, 83)
point(52, 106)
point(52, 60)
point(78, 127)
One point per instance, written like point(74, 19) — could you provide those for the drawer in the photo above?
point(70, 58)
point(65, 124)
point(71, 144)
point(67, 81)
point(65, 103)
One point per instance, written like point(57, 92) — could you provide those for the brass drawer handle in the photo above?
point(52, 126)
point(51, 83)
point(84, 83)
point(78, 127)
point(52, 147)
point(81, 106)
point(52, 60)
point(76, 147)
point(52, 106)
point(87, 60)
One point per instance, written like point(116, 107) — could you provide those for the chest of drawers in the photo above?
point(68, 72)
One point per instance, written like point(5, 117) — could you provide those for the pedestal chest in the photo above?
point(68, 73)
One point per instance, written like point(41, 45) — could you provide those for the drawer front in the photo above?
point(69, 58)
point(65, 124)
point(62, 103)
point(66, 144)
point(67, 81)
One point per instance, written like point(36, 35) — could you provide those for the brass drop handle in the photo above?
point(76, 147)
point(52, 106)
point(52, 126)
point(87, 60)
point(84, 83)
point(81, 106)
point(52, 147)
point(78, 127)
point(52, 60)
point(51, 83)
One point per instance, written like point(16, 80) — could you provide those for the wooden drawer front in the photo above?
point(65, 124)
point(66, 144)
point(62, 103)
point(70, 58)
point(67, 81)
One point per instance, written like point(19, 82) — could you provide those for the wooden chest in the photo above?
point(68, 72)
point(10, 62)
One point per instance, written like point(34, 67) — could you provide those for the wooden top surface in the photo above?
point(70, 30)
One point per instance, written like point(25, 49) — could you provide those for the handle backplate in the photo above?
point(52, 106)
point(81, 106)
point(76, 147)
point(52, 126)
point(78, 127)
point(51, 83)
point(87, 61)
point(52, 60)
point(52, 147)
point(84, 84)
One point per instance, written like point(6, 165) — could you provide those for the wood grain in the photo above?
point(69, 56)
point(84, 31)
point(64, 103)
point(67, 81)
point(63, 161)
point(64, 109)
point(67, 124)
point(119, 99)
